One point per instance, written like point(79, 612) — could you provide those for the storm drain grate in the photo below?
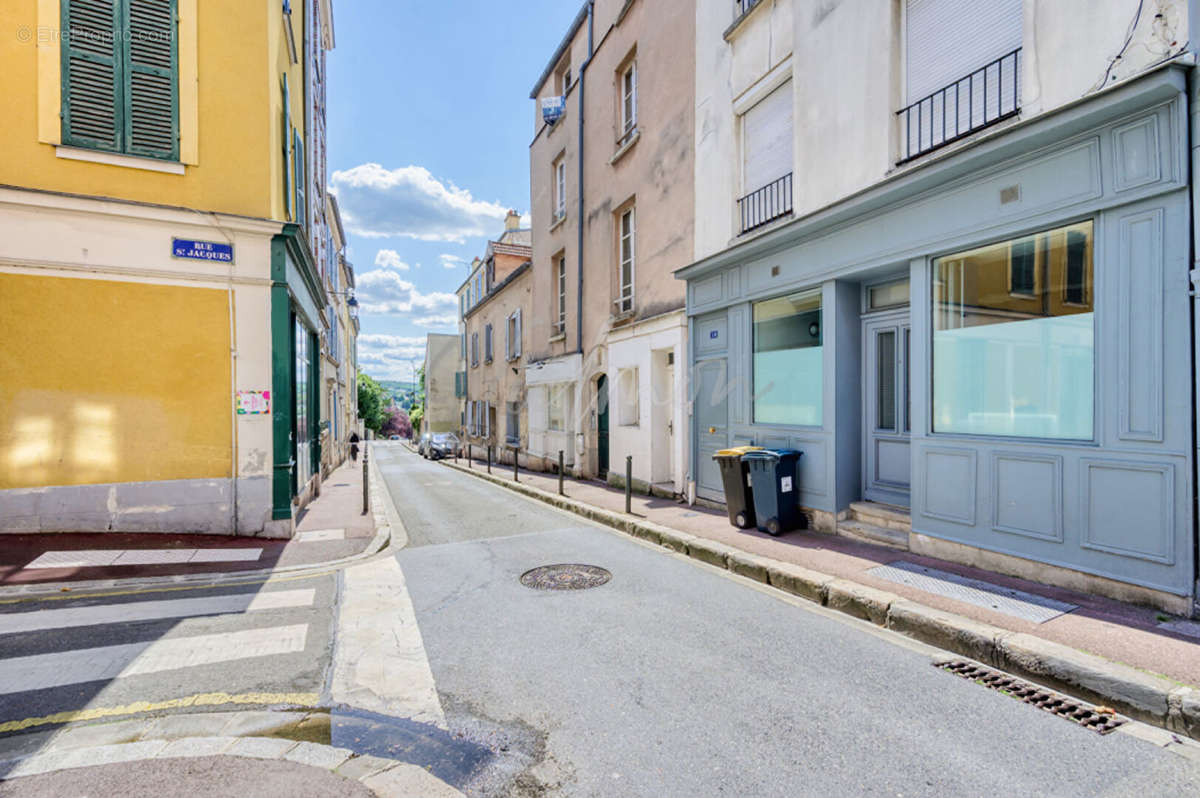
point(566, 576)
point(1101, 719)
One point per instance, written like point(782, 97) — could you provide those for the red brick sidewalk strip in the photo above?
point(829, 571)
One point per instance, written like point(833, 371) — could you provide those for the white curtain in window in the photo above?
point(767, 139)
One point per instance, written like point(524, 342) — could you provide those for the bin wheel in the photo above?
point(773, 527)
point(741, 521)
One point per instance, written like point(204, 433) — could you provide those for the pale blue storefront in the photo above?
point(1112, 498)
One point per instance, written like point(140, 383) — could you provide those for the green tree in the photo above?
point(371, 401)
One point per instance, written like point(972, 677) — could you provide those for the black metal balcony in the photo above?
point(984, 97)
point(766, 204)
point(743, 6)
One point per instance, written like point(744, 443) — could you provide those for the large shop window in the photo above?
point(1013, 350)
point(787, 360)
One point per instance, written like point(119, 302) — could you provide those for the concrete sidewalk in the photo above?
point(1141, 644)
point(331, 528)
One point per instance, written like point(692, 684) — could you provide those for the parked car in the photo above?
point(444, 444)
point(393, 437)
point(423, 445)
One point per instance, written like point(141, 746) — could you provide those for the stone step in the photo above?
point(882, 515)
point(870, 533)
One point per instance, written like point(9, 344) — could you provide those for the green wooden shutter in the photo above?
point(151, 80)
point(288, 199)
point(91, 110)
point(301, 216)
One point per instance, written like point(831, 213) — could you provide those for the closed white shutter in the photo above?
point(767, 140)
point(947, 40)
point(517, 342)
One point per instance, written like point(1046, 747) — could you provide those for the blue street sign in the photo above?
point(201, 250)
point(712, 334)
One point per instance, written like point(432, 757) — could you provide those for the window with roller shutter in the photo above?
point(120, 76)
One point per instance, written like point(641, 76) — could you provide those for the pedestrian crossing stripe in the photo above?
point(302, 700)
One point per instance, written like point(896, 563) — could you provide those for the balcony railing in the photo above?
point(766, 204)
point(742, 6)
point(984, 97)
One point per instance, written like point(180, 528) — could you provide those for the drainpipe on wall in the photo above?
point(579, 253)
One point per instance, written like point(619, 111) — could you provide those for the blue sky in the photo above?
point(429, 124)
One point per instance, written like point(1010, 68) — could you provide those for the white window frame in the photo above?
point(560, 189)
point(560, 325)
point(628, 99)
point(626, 255)
point(512, 335)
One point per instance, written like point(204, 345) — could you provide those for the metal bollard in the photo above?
point(560, 473)
point(489, 458)
point(516, 460)
point(366, 495)
point(470, 457)
point(628, 483)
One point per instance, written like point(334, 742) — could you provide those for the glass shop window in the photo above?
point(787, 360)
point(1013, 338)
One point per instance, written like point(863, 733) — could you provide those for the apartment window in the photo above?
point(512, 336)
point(628, 99)
point(563, 78)
point(1022, 265)
point(962, 69)
point(1010, 364)
point(767, 159)
point(301, 214)
point(462, 346)
point(487, 344)
point(560, 278)
point(788, 368)
point(556, 418)
point(512, 423)
point(560, 189)
point(627, 233)
point(627, 398)
point(120, 76)
point(474, 349)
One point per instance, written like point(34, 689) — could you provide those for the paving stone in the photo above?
point(20, 746)
point(361, 767)
point(1134, 692)
point(945, 630)
point(408, 781)
point(799, 581)
point(259, 722)
point(112, 754)
point(261, 747)
point(173, 727)
point(319, 756)
point(710, 551)
point(196, 746)
point(749, 565)
point(859, 600)
point(126, 731)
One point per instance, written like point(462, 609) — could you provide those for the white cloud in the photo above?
point(390, 259)
point(390, 357)
point(385, 291)
point(410, 202)
point(444, 320)
point(451, 261)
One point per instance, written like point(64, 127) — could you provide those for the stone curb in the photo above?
point(184, 736)
point(381, 541)
point(1144, 696)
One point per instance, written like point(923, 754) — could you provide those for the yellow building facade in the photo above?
point(161, 303)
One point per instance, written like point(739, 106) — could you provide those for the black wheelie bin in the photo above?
point(736, 480)
point(775, 489)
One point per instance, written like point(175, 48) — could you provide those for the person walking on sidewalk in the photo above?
point(354, 446)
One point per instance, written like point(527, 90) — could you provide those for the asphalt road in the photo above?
point(674, 679)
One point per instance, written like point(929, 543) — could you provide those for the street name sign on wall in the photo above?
point(201, 250)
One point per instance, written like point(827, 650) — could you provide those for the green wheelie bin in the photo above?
point(775, 489)
point(736, 480)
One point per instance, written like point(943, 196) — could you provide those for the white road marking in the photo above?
point(38, 620)
point(318, 535)
point(42, 671)
point(380, 662)
point(104, 557)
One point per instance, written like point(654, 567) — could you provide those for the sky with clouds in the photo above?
point(429, 125)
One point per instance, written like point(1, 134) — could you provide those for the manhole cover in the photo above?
point(569, 576)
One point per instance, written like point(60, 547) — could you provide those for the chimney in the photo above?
point(512, 222)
